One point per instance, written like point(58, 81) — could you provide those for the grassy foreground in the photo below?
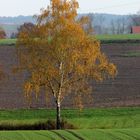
point(87, 134)
point(87, 119)
point(92, 124)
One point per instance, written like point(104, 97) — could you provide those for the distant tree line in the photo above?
point(120, 25)
point(101, 23)
point(26, 27)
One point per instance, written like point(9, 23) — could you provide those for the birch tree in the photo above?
point(60, 56)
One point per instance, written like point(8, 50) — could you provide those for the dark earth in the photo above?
point(124, 90)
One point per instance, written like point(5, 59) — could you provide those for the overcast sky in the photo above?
point(31, 7)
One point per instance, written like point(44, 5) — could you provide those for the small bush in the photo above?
point(49, 125)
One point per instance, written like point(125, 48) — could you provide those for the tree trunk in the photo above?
point(58, 118)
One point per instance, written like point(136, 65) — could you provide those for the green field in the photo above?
point(87, 134)
point(98, 124)
point(7, 41)
point(87, 119)
point(119, 37)
point(100, 37)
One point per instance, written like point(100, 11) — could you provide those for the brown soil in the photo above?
point(124, 90)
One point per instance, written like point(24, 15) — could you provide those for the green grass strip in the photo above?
point(87, 119)
point(119, 37)
point(7, 41)
point(104, 37)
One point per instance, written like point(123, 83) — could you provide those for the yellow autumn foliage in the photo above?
point(60, 55)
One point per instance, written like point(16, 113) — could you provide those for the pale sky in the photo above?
point(31, 7)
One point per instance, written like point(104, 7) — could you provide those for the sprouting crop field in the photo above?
point(121, 91)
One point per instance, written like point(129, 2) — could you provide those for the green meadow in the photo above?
point(119, 37)
point(7, 41)
point(86, 119)
point(100, 37)
point(90, 124)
